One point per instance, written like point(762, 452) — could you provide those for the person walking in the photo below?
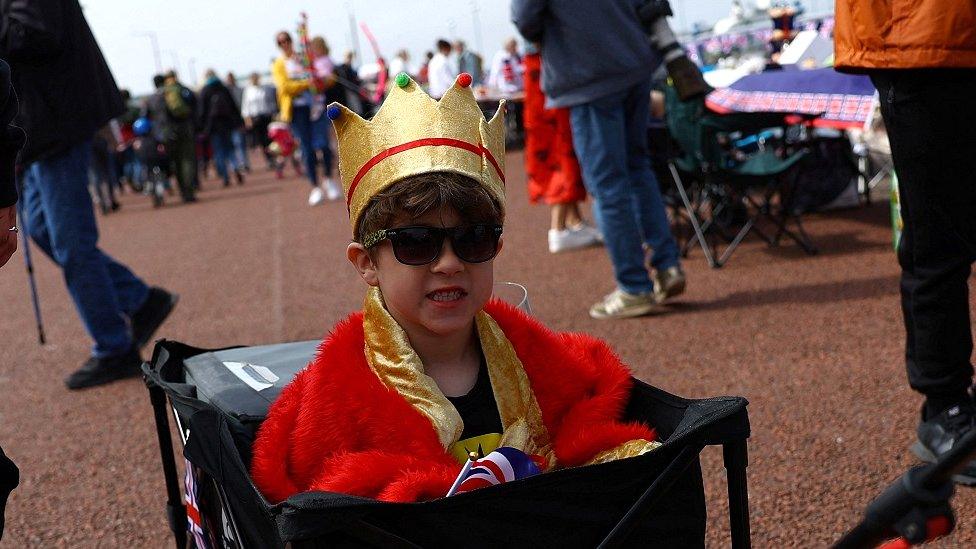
point(295, 98)
point(239, 135)
point(440, 71)
point(258, 108)
point(468, 61)
point(923, 63)
point(173, 110)
point(67, 93)
point(551, 169)
point(597, 61)
point(219, 119)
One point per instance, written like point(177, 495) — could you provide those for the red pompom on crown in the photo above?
point(464, 80)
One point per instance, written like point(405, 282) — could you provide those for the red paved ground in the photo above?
point(815, 343)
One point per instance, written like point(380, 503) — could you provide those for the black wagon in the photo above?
point(217, 398)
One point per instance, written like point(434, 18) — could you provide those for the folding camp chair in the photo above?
point(655, 498)
point(721, 186)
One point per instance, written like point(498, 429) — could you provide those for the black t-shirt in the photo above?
point(478, 408)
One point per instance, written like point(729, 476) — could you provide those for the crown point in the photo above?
point(334, 112)
point(402, 80)
point(464, 80)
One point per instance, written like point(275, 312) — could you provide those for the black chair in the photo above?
point(657, 497)
point(721, 186)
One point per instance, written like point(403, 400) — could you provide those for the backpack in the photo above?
point(179, 102)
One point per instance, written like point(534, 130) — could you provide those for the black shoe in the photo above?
point(240, 177)
point(938, 434)
point(151, 315)
point(99, 371)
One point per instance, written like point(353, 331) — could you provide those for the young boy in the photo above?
point(431, 369)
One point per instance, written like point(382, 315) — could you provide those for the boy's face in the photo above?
point(439, 298)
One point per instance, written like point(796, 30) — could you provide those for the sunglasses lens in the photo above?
point(476, 243)
point(416, 245)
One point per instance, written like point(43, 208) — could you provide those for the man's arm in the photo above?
point(31, 30)
point(528, 15)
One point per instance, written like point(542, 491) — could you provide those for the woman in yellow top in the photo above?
point(295, 99)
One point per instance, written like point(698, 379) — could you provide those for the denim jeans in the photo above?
point(312, 136)
point(610, 138)
point(240, 147)
point(223, 152)
point(929, 117)
point(57, 212)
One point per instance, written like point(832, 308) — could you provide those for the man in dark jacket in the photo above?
point(173, 110)
point(67, 92)
point(220, 118)
point(597, 61)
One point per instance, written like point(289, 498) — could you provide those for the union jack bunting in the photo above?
point(194, 520)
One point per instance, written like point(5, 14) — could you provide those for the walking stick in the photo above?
point(27, 261)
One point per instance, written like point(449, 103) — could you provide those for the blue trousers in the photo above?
point(223, 152)
point(313, 136)
point(57, 210)
point(610, 138)
point(240, 147)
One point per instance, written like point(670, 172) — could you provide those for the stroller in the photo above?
point(219, 397)
point(150, 152)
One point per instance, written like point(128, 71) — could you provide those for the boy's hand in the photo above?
point(8, 238)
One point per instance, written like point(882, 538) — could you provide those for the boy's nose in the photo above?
point(447, 262)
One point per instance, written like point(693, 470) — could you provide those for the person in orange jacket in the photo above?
point(921, 56)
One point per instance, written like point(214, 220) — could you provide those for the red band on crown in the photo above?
point(480, 150)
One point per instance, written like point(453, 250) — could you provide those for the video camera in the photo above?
point(687, 77)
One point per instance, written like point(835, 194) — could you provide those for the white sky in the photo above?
point(238, 35)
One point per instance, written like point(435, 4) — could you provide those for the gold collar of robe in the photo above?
point(394, 361)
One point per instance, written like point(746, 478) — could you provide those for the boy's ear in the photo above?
point(360, 259)
point(501, 244)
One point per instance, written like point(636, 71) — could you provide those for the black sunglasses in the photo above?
point(421, 245)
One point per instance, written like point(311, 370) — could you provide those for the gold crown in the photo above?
point(413, 134)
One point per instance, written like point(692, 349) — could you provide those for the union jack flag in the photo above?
point(194, 520)
point(503, 465)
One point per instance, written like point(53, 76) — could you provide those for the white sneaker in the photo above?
point(586, 227)
point(315, 197)
point(569, 239)
point(332, 191)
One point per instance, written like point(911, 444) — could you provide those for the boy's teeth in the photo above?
point(446, 296)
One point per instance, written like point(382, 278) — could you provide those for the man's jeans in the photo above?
point(610, 137)
point(57, 210)
point(313, 137)
point(929, 115)
point(223, 152)
point(240, 148)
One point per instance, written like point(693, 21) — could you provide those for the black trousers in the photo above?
point(930, 116)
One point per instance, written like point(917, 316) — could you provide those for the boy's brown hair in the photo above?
point(416, 196)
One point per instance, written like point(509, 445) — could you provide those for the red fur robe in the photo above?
point(338, 428)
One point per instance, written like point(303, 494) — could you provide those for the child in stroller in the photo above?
point(150, 152)
point(283, 147)
point(400, 394)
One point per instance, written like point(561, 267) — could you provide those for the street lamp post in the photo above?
point(175, 58)
point(155, 47)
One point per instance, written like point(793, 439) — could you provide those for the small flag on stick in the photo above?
point(503, 465)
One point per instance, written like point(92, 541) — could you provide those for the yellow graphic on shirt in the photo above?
point(482, 444)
